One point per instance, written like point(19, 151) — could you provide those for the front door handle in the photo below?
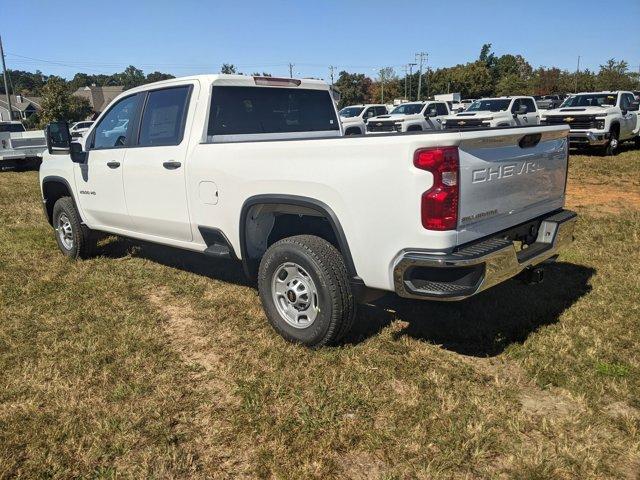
point(113, 164)
point(171, 165)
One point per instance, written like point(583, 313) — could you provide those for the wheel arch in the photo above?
point(615, 125)
point(54, 188)
point(297, 205)
point(353, 131)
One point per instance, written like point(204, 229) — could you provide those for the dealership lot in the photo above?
point(147, 361)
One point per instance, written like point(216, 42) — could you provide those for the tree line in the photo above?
point(58, 101)
point(488, 75)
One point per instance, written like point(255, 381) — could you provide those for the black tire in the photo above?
point(353, 131)
point(83, 240)
point(613, 145)
point(414, 128)
point(637, 141)
point(326, 268)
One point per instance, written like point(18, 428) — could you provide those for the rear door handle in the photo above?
point(171, 165)
point(113, 164)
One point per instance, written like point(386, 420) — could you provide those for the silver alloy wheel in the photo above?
point(614, 143)
point(65, 232)
point(295, 295)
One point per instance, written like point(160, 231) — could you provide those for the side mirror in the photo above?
point(522, 109)
point(634, 107)
point(77, 154)
point(58, 138)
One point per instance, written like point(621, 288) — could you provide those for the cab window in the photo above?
point(115, 127)
point(441, 109)
point(529, 103)
point(164, 117)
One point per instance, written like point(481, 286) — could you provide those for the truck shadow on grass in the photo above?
point(481, 326)
point(485, 324)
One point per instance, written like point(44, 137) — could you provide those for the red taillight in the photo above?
point(439, 209)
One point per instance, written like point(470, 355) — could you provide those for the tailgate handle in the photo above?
point(531, 140)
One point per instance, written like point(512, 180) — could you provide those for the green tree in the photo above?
point(512, 84)
point(386, 87)
point(59, 104)
point(354, 88)
point(157, 77)
point(614, 75)
point(131, 77)
point(228, 68)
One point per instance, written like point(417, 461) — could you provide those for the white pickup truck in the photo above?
point(411, 117)
point(496, 112)
point(257, 169)
point(354, 118)
point(19, 147)
point(598, 119)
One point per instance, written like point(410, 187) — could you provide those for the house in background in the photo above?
point(21, 106)
point(98, 97)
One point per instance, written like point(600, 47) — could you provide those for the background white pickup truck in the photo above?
point(411, 117)
point(354, 118)
point(598, 119)
point(496, 112)
point(19, 147)
point(257, 169)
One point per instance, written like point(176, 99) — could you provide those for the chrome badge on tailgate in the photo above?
point(490, 174)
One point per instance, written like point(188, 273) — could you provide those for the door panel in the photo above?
point(99, 179)
point(101, 194)
point(154, 170)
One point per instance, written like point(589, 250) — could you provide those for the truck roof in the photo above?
point(240, 81)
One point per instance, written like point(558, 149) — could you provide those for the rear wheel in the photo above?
point(304, 288)
point(613, 145)
point(74, 239)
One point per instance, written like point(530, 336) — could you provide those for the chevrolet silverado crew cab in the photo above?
point(257, 169)
point(496, 112)
point(410, 117)
point(599, 119)
point(18, 148)
point(354, 118)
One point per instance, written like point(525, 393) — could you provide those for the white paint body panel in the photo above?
point(369, 182)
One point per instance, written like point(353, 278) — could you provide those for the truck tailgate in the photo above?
point(510, 176)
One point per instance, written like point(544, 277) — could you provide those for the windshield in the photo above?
point(408, 109)
point(490, 105)
point(11, 127)
point(592, 100)
point(349, 112)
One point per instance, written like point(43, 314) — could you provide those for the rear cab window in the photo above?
point(245, 112)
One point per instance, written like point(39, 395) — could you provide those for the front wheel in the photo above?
point(614, 142)
point(304, 288)
point(74, 239)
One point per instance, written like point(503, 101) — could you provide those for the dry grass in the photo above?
point(152, 362)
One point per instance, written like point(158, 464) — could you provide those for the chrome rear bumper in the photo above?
point(475, 267)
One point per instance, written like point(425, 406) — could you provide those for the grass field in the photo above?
point(152, 362)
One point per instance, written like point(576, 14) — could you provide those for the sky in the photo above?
point(188, 37)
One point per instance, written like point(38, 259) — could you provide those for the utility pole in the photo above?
point(4, 75)
point(406, 74)
point(420, 56)
point(411, 65)
point(331, 70)
point(577, 72)
point(290, 70)
point(382, 85)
